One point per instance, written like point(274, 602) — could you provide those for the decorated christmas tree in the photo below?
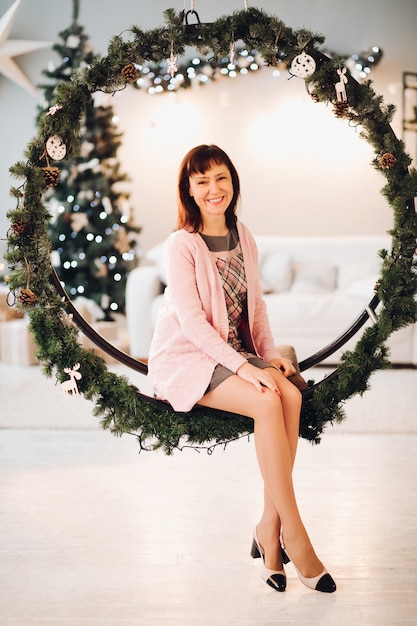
point(92, 232)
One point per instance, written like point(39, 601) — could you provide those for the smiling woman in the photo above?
point(122, 407)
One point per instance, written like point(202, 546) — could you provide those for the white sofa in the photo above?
point(314, 288)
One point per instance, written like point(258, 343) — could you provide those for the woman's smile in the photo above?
point(212, 190)
point(216, 200)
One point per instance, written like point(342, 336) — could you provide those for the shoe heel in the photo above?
point(255, 554)
point(285, 558)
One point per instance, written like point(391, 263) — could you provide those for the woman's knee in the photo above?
point(269, 405)
point(293, 394)
point(289, 392)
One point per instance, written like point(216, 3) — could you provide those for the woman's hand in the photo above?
point(284, 365)
point(257, 377)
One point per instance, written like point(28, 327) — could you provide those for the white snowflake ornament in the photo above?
point(54, 109)
point(233, 53)
point(303, 65)
point(172, 65)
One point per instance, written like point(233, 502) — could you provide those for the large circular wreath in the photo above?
point(121, 406)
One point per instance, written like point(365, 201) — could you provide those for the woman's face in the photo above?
point(212, 191)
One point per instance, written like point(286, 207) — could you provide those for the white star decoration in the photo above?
point(10, 48)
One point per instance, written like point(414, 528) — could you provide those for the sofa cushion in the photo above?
point(358, 272)
point(276, 273)
point(362, 288)
point(313, 278)
point(156, 255)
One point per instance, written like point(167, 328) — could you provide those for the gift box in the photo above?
point(88, 309)
point(7, 312)
point(17, 345)
point(109, 331)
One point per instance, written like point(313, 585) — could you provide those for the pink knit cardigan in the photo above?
point(191, 333)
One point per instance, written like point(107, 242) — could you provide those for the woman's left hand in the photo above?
point(284, 365)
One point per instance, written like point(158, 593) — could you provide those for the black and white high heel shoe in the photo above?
point(276, 580)
point(285, 558)
point(323, 582)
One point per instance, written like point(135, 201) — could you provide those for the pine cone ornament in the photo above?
point(26, 297)
point(314, 96)
point(130, 73)
point(51, 176)
point(341, 109)
point(18, 227)
point(387, 161)
point(272, 61)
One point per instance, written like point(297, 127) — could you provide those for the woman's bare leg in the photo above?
point(269, 527)
point(275, 456)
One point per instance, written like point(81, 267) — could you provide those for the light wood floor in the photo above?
point(93, 534)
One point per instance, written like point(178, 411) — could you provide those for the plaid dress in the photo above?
point(228, 257)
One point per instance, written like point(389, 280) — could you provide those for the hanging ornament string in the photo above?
point(192, 7)
point(56, 149)
point(26, 295)
point(274, 58)
point(17, 228)
point(303, 65)
point(185, 15)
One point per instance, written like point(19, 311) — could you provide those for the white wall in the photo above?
point(302, 170)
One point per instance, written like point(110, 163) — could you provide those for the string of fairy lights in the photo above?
point(157, 79)
point(171, 75)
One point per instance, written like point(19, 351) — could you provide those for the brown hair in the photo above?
point(198, 161)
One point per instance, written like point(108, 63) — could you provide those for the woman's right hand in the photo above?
point(260, 378)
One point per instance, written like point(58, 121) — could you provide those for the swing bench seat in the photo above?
point(156, 424)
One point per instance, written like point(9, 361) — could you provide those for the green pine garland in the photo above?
point(119, 404)
point(90, 193)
